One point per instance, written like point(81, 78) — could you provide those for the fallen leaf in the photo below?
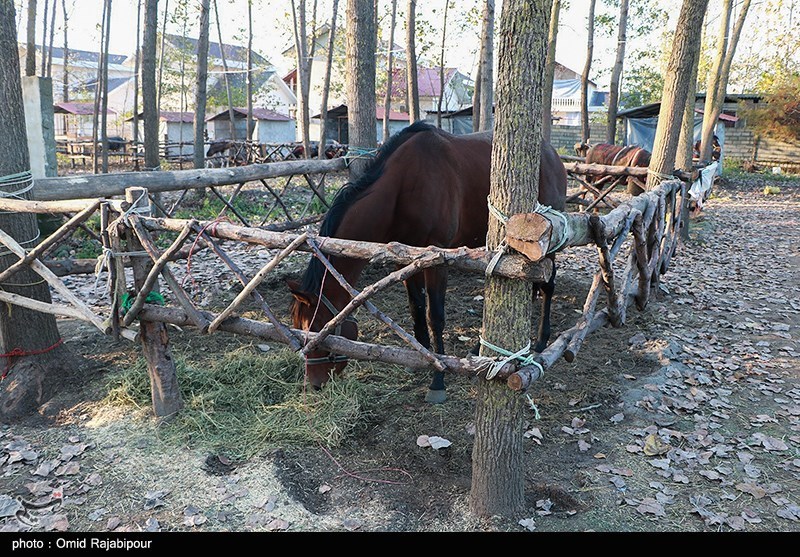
point(438, 442)
point(653, 445)
point(54, 522)
point(583, 445)
point(528, 523)
point(93, 479)
point(753, 489)
point(422, 441)
point(790, 512)
point(9, 506)
point(97, 514)
point(152, 525)
point(735, 522)
point(351, 524)
point(660, 463)
point(617, 418)
point(599, 455)
point(194, 520)
point(751, 516)
point(633, 448)
point(649, 505)
point(68, 469)
point(113, 523)
point(324, 488)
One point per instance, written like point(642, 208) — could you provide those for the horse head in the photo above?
point(310, 312)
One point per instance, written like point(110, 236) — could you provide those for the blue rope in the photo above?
point(519, 355)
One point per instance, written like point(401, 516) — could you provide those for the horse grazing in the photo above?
point(332, 150)
point(716, 149)
point(425, 187)
point(619, 155)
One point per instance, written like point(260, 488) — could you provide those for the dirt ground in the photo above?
point(687, 419)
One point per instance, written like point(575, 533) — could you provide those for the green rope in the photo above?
point(519, 355)
point(153, 297)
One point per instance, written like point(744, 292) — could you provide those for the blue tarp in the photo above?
point(642, 132)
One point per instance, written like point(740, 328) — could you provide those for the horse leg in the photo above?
point(436, 286)
point(547, 289)
point(415, 288)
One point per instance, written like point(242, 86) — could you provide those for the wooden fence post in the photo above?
point(164, 388)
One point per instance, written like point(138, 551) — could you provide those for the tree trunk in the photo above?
point(487, 67)
point(497, 477)
point(683, 156)
point(149, 103)
point(411, 62)
point(441, 68)
point(30, 53)
point(98, 93)
point(45, 21)
point(200, 87)
point(231, 114)
point(676, 88)
point(104, 89)
point(49, 68)
point(713, 79)
point(616, 73)
point(706, 144)
point(137, 63)
point(249, 78)
point(476, 100)
point(300, 44)
point(161, 56)
point(360, 71)
point(387, 98)
point(65, 89)
point(326, 85)
point(585, 130)
point(27, 382)
point(550, 71)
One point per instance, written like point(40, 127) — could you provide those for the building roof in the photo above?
point(83, 55)
point(652, 109)
point(233, 53)
point(77, 108)
point(341, 112)
point(170, 117)
point(428, 81)
point(258, 114)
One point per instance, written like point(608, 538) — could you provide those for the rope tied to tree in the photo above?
point(31, 241)
point(523, 355)
point(19, 353)
point(24, 179)
point(104, 262)
point(659, 175)
point(354, 153)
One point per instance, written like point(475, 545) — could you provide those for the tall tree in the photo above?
point(360, 72)
point(249, 78)
point(137, 77)
point(441, 66)
point(326, 85)
point(65, 88)
point(387, 96)
point(411, 61)
point(550, 70)
point(30, 53)
point(200, 90)
point(104, 88)
point(162, 54)
point(683, 156)
point(45, 22)
point(149, 104)
point(303, 63)
point(713, 105)
point(616, 73)
point(497, 471)
point(98, 91)
point(25, 331)
point(487, 68)
point(231, 114)
point(49, 66)
point(676, 88)
point(585, 130)
point(476, 100)
point(714, 76)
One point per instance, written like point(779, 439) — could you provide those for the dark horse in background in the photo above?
point(619, 155)
point(426, 187)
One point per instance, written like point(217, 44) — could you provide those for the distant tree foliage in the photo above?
point(779, 117)
point(643, 85)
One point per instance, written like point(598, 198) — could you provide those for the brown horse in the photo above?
point(425, 187)
point(620, 155)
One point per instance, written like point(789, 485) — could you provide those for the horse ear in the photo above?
point(298, 293)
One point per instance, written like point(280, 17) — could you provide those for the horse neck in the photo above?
point(350, 269)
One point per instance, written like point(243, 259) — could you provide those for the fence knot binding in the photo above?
point(19, 353)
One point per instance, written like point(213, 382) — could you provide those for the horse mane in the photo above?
point(347, 195)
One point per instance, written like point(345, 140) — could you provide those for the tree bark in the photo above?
point(585, 130)
point(200, 87)
point(441, 67)
point(326, 86)
point(676, 89)
point(713, 80)
point(411, 62)
point(487, 67)
point(65, 89)
point(162, 54)
point(684, 155)
point(231, 114)
point(249, 79)
point(713, 112)
point(550, 70)
point(497, 478)
point(476, 100)
point(98, 92)
point(104, 89)
point(49, 68)
point(149, 103)
point(387, 97)
point(30, 53)
point(20, 328)
point(44, 36)
point(301, 54)
point(360, 81)
point(616, 73)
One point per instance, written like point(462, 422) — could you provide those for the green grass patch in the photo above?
point(245, 403)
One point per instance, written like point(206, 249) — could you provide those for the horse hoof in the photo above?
point(436, 397)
